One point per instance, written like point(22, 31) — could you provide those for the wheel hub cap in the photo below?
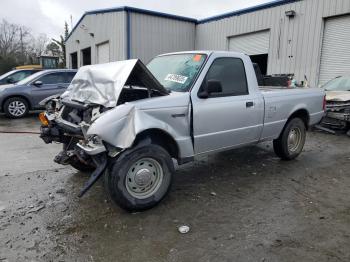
point(144, 178)
point(17, 108)
point(294, 139)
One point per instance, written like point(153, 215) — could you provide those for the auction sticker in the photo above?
point(176, 78)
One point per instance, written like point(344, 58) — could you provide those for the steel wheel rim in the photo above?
point(17, 108)
point(294, 139)
point(144, 178)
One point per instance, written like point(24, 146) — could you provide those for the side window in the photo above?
point(69, 76)
point(18, 76)
point(231, 74)
point(53, 78)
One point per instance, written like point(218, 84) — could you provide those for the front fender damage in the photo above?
point(120, 127)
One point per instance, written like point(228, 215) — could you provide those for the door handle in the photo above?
point(249, 104)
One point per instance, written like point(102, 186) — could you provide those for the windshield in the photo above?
point(29, 78)
point(7, 74)
point(177, 72)
point(338, 84)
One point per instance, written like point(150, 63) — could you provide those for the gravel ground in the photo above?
point(241, 205)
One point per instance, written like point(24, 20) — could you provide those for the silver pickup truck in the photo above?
point(127, 121)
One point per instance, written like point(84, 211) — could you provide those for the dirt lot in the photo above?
point(242, 205)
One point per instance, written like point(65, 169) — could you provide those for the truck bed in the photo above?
point(280, 102)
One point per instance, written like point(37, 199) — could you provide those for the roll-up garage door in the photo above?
point(103, 53)
point(251, 44)
point(335, 54)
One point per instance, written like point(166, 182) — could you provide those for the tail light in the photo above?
point(324, 103)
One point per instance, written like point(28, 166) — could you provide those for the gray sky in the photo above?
point(48, 16)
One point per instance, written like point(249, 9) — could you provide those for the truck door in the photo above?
point(229, 118)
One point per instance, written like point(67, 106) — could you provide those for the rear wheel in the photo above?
point(291, 142)
point(16, 107)
point(140, 177)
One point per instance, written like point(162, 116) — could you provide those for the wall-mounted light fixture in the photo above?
point(84, 27)
point(78, 41)
point(92, 34)
point(290, 13)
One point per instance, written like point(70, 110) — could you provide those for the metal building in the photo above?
point(308, 38)
point(114, 34)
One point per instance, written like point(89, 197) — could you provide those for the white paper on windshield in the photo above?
point(176, 78)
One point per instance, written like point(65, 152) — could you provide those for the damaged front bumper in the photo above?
point(337, 115)
point(77, 145)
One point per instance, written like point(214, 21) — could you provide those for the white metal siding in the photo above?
point(105, 27)
point(295, 44)
point(103, 53)
point(151, 36)
point(250, 44)
point(335, 55)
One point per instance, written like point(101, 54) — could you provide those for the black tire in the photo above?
point(281, 145)
point(11, 112)
point(116, 177)
point(77, 164)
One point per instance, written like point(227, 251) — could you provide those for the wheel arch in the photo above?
point(161, 138)
point(301, 113)
point(12, 96)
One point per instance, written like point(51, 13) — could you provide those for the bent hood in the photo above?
point(338, 96)
point(102, 84)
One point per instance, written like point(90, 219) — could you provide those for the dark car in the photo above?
point(15, 76)
point(17, 99)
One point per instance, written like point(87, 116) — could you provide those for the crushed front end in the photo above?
point(67, 123)
point(337, 115)
point(94, 90)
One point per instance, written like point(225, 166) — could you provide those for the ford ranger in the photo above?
point(128, 122)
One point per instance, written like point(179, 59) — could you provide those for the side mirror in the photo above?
point(211, 86)
point(38, 83)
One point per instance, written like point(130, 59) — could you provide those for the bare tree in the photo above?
point(12, 39)
point(13, 45)
point(40, 44)
point(19, 47)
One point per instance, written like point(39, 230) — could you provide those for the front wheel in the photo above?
point(16, 107)
point(140, 177)
point(291, 142)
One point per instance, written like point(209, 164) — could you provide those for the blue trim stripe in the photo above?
point(133, 10)
point(128, 36)
point(182, 18)
point(247, 10)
